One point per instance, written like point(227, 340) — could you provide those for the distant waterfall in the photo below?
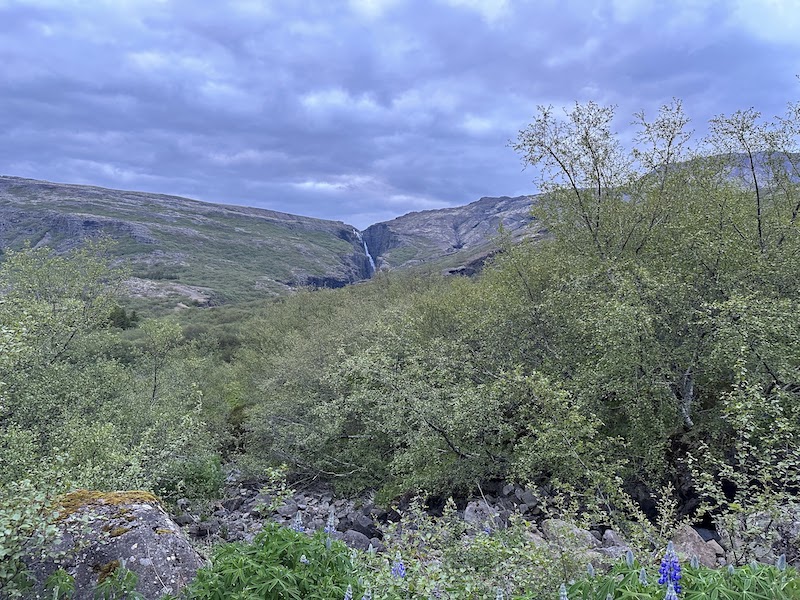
point(366, 251)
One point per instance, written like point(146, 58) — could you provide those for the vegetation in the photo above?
point(642, 363)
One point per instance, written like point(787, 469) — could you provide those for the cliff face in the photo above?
point(459, 239)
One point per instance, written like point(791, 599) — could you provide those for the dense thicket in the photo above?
point(653, 338)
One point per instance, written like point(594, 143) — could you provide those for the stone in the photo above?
point(560, 532)
point(288, 508)
point(689, 543)
point(718, 550)
point(611, 538)
point(478, 514)
point(101, 531)
point(356, 539)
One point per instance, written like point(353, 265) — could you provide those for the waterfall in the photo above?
point(366, 251)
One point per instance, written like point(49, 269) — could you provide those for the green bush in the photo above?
point(280, 564)
point(629, 579)
point(26, 529)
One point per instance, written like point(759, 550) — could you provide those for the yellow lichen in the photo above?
point(163, 531)
point(107, 570)
point(118, 531)
point(74, 501)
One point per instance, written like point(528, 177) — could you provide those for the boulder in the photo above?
point(562, 532)
point(689, 543)
point(479, 514)
point(101, 531)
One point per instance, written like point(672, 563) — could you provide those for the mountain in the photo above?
point(183, 251)
point(457, 240)
point(181, 248)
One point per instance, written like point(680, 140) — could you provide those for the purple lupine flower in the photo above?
point(367, 595)
point(562, 592)
point(297, 523)
point(330, 526)
point(398, 568)
point(303, 559)
point(670, 572)
point(348, 595)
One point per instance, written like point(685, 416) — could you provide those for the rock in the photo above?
point(185, 519)
point(101, 531)
point(361, 522)
point(478, 514)
point(718, 550)
point(356, 539)
point(559, 532)
point(232, 504)
point(611, 538)
point(288, 509)
point(689, 543)
point(529, 498)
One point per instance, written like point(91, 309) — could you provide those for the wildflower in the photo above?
point(562, 592)
point(330, 527)
point(781, 562)
point(303, 559)
point(367, 595)
point(590, 569)
point(629, 558)
point(501, 595)
point(670, 572)
point(672, 594)
point(398, 568)
point(643, 576)
point(297, 523)
point(348, 595)
point(695, 562)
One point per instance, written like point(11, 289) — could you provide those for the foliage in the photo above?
point(279, 564)
point(754, 581)
point(26, 529)
point(445, 558)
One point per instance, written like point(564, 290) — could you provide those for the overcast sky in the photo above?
point(356, 110)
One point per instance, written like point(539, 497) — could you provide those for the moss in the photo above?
point(70, 503)
point(107, 570)
point(163, 531)
point(118, 531)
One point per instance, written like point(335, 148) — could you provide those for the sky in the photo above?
point(357, 110)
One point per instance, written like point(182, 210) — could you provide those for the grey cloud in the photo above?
point(322, 110)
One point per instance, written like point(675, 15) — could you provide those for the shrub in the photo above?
point(280, 564)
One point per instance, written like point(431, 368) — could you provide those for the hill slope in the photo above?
point(183, 251)
point(208, 253)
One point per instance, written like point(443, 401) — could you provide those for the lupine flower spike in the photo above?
point(562, 592)
point(643, 576)
point(330, 527)
point(398, 568)
point(501, 595)
point(348, 595)
point(670, 573)
point(629, 558)
point(781, 563)
point(297, 523)
point(303, 559)
point(590, 569)
point(695, 562)
point(367, 595)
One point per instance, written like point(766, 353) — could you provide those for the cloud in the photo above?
point(355, 109)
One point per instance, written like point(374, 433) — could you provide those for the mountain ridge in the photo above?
point(192, 251)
